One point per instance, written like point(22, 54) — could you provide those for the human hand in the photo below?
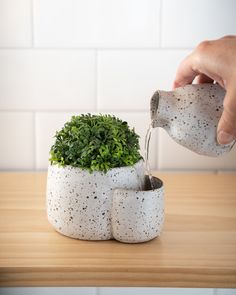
point(214, 61)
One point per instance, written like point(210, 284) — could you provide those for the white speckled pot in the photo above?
point(79, 203)
point(190, 115)
point(138, 216)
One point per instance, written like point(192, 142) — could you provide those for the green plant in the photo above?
point(95, 142)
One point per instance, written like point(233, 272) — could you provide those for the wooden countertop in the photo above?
point(196, 249)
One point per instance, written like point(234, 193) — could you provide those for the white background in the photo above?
point(64, 57)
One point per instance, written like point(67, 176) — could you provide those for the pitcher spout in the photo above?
point(154, 106)
point(158, 110)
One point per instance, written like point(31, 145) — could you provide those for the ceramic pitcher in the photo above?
point(190, 115)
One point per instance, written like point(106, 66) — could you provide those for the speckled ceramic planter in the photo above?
point(138, 216)
point(79, 203)
point(190, 115)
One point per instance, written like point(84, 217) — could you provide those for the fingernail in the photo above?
point(224, 137)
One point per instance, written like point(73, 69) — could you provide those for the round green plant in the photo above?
point(95, 142)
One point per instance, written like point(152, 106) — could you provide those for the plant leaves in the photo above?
point(95, 142)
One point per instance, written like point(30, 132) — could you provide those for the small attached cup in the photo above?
point(138, 216)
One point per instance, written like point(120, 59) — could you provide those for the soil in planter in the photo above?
point(146, 155)
point(155, 184)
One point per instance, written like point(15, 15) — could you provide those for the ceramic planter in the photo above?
point(79, 203)
point(138, 216)
point(88, 206)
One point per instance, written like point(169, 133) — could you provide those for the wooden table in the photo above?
point(196, 249)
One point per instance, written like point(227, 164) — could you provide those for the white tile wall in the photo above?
point(47, 79)
point(59, 57)
point(185, 23)
point(172, 156)
point(15, 23)
point(16, 141)
point(128, 78)
point(92, 23)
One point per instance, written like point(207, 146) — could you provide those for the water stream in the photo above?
point(146, 155)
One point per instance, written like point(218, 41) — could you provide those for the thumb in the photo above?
point(226, 131)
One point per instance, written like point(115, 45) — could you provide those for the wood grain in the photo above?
point(196, 249)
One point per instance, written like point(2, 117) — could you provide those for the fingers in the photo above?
point(200, 62)
point(214, 61)
point(203, 79)
point(185, 73)
point(226, 131)
point(228, 37)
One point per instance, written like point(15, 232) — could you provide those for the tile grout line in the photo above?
point(96, 80)
point(160, 23)
point(94, 48)
point(32, 22)
point(15, 110)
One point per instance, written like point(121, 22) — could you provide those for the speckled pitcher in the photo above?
point(190, 115)
point(99, 206)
